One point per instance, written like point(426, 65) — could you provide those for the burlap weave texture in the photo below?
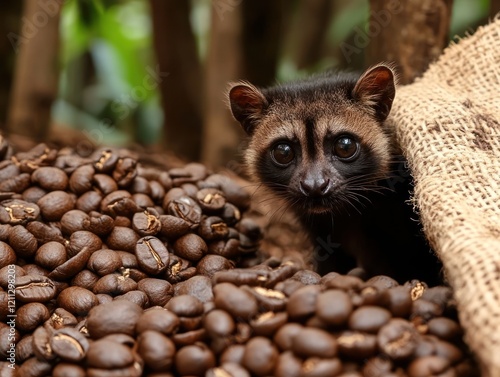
point(448, 124)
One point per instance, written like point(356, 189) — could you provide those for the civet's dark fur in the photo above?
point(349, 202)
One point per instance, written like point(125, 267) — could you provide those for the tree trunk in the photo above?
point(412, 34)
point(36, 73)
point(224, 64)
point(180, 77)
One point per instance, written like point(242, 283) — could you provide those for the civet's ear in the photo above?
point(376, 88)
point(247, 104)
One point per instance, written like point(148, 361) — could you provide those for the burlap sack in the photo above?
point(448, 124)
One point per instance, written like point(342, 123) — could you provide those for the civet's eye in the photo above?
point(345, 147)
point(282, 154)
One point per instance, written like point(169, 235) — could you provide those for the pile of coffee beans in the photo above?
point(112, 268)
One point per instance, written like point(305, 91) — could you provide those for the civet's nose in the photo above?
point(315, 187)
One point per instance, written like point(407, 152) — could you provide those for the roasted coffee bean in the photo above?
point(23, 242)
point(343, 282)
point(231, 189)
point(61, 318)
point(378, 367)
point(218, 324)
point(285, 335)
point(236, 301)
point(230, 214)
point(119, 203)
point(213, 228)
point(69, 344)
point(430, 366)
point(115, 284)
point(8, 336)
point(104, 298)
point(34, 270)
point(191, 247)
point(9, 273)
point(441, 296)
point(337, 314)
point(233, 354)
point(89, 201)
point(369, 318)
point(288, 365)
point(190, 337)
point(33, 194)
point(80, 180)
point(187, 209)
point(106, 354)
point(357, 345)
point(398, 339)
point(72, 266)
point(8, 169)
point(158, 291)
point(137, 297)
point(105, 160)
point(197, 286)
point(194, 360)
point(34, 367)
point(268, 299)
point(122, 238)
point(129, 260)
point(210, 264)
point(260, 356)
point(144, 201)
point(4, 232)
point(444, 328)
point(77, 300)
point(302, 303)
point(173, 227)
point(311, 342)
point(307, 277)
point(125, 171)
point(398, 301)
point(229, 370)
point(50, 178)
point(51, 255)
point(15, 211)
point(68, 370)
point(72, 221)
point(104, 262)
point(34, 289)
point(98, 223)
point(268, 323)
point(24, 349)
point(173, 194)
point(210, 200)
point(7, 255)
point(282, 272)
point(41, 344)
point(140, 184)
point(45, 233)
point(227, 249)
point(31, 315)
point(156, 350)
point(83, 239)
point(158, 319)
point(425, 309)
point(119, 316)
point(146, 223)
point(152, 255)
point(185, 306)
point(105, 184)
point(55, 204)
point(16, 184)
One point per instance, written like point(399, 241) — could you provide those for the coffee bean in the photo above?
point(152, 255)
point(8, 272)
point(119, 316)
point(16, 184)
point(77, 300)
point(146, 223)
point(315, 366)
point(233, 354)
point(158, 291)
point(106, 354)
point(378, 367)
point(444, 328)
point(335, 314)
point(302, 303)
point(69, 344)
point(98, 223)
point(33, 367)
point(307, 277)
point(122, 238)
point(129, 260)
point(80, 180)
point(105, 160)
point(104, 298)
point(241, 276)
point(89, 201)
point(191, 247)
point(34, 289)
point(173, 227)
point(41, 344)
point(68, 370)
point(281, 273)
point(210, 264)
point(137, 297)
point(237, 302)
point(7, 255)
point(83, 239)
point(4, 232)
point(268, 323)
point(15, 211)
point(61, 318)
point(210, 200)
point(104, 262)
point(186, 209)
point(72, 221)
point(430, 366)
point(185, 306)
point(288, 365)
point(72, 266)
point(285, 335)
point(425, 309)
point(228, 369)
point(105, 184)
point(197, 286)
point(34, 269)
point(357, 345)
point(23, 242)
point(115, 284)
point(369, 319)
point(398, 339)
point(311, 342)
point(31, 315)
point(55, 204)
point(213, 228)
point(230, 214)
point(51, 255)
point(50, 178)
point(7, 337)
point(260, 356)
point(343, 282)
point(158, 319)
point(144, 201)
point(119, 203)
point(45, 233)
point(125, 171)
point(156, 350)
point(24, 349)
point(194, 360)
point(33, 194)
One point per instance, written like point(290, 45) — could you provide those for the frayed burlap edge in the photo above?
point(448, 125)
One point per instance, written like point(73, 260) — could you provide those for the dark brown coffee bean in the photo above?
point(80, 180)
point(113, 197)
point(311, 342)
point(135, 370)
point(285, 335)
point(334, 307)
point(105, 184)
point(197, 286)
point(152, 255)
point(316, 367)
point(72, 266)
point(218, 324)
point(369, 319)
point(98, 223)
point(268, 323)
point(50, 178)
point(211, 200)
point(194, 360)
point(191, 247)
point(229, 370)
point(230, 214)
point(236, 301)
point(115, 284)
point(9, 336)
point(34, 270)
point(137, 297)
point(307, 277)
point(342, 282)
point(288, 365)
point(55, 204)
point(241, 276)
point(72, 221)
point(125, 171)
point(83, 239)
point(441, 296)
point(33, 367)
point(68, 370)
point(140, 185)
point(31, 315)
point(398, 339)
point(210, 264)
point(213, 228)
point(158, 291)
point(187, 209)
point(34, 289)
point(33, 194)
point(24, 349)
point(104, 262)
point(119, 316)
point(173, 227)
point(156, 350)
point(143, 201)
point(357, 345)
point(15, 211)
point(122, 238)
point(89, 201)
point(8, 169)
point(105, 160)
point(146, 223)
point(7, 255)
point(260, 356)
point(107, 354)
point(23, 242)
point(129, 260)
point(104, 298)
point(16, 184)
point(41, 344)
point(185, 306)
point(302, 303)
point(281, 273)
point(430, 366)
point(232, 190)
point(51, 255)
point(61, 318)
point(45, 232)
point(398, 301)
point(9, 274)
point(227, 249)
point(425, 309)
point(4, 232)
point(77, 300)
point(121, 207)
point(69, 344)
point(378, 367)
point(444, 328)
point(158, 319)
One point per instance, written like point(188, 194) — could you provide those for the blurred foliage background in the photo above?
point(153, 73)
